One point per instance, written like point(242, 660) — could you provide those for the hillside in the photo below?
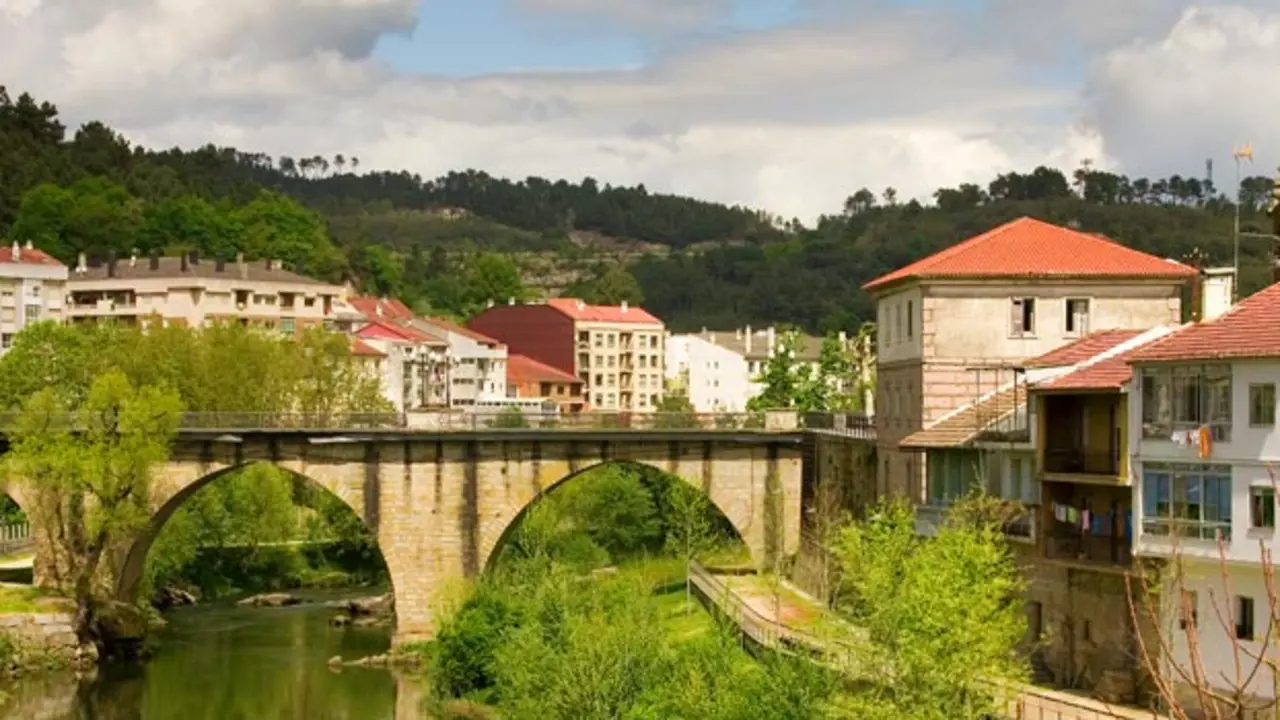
point(453, 243)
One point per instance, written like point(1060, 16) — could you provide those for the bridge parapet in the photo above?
point(857, 425)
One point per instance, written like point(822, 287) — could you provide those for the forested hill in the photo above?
point(452, 243)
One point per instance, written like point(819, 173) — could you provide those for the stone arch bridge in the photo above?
point(440, 503)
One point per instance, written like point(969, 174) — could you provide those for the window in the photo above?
point(613, 340)
point(1190, 610)
point(1022, 317)
point(951, 475)
point(1186, 398)
point(287, 325)
point(1262, 405)
point(910, 321)
point(1186, 499)
point(32, 313)
point(1262, 507)
point(897, 320)
point(1244, 617)
point(1077, 316)
point(6, 340)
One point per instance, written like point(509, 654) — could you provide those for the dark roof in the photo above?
point(205, 269)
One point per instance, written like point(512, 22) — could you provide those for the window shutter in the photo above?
point(1015, 317)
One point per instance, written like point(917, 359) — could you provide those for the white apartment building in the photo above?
point(191, 291)
point(1204, 429)
point(714, 377)
point(32, 289)
point(477, 363)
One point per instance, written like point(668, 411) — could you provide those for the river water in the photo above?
point(221, 662)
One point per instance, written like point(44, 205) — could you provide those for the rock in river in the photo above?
point(269, 600)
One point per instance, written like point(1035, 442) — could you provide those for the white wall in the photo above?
point(477, 371)
point(717, 378)
point(973, 320)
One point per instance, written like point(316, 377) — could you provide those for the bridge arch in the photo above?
point(513, 517)
point(172, 493)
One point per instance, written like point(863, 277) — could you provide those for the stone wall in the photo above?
point(47, 633)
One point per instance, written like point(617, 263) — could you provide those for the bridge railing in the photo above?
point(15, 538)
point(849, 424)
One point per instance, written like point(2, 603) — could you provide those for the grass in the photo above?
point(23, 599)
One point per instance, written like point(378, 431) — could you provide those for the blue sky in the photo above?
point(474, 37)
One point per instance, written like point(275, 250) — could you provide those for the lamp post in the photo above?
point(1243, 152)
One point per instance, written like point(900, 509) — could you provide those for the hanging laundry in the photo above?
point(1085, 516)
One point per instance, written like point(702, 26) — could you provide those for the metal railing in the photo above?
point(1081, 461)
point(847, 424)
point(760, 629)
point(15, 538)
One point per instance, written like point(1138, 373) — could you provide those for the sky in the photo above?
point(784, 105)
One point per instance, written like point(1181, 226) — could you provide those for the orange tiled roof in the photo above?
point(1030, 248)
point(396, 331)
point(1109, 374)
point(1251, 329)
point(461, 330)
point(27, 256)
point(963, 426)
point(376, 308)
point(521, 368)
point(578, 310)
point(1086, 347)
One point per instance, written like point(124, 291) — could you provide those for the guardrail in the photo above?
point(848, 424)
point(15, 538)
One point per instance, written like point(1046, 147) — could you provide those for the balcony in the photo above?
point(1082, 461)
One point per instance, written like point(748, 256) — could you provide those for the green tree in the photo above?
point(189, 223)
point(675, 411)
point(948, 654)
point(613, 285)
point(91, 479)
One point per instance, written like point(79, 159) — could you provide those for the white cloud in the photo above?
point(791, 120)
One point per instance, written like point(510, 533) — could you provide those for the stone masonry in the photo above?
point(440, 504)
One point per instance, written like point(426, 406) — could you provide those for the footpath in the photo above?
point(778, 615)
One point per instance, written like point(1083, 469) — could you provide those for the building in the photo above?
point(478, 364)
point(191, 291)
point(33, 288)
point(715, 378)
point(1204, 431)
point(954, 327)
point(616, 350)
point(529, 379)
point(418, 361)
point(720, 371)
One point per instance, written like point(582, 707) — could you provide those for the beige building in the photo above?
point(32, 288)
point(191, 291)
point(617, 351)
point(955, 326)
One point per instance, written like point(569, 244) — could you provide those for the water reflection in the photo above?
point(228, 663)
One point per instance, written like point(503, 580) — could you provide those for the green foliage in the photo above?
point(90, 481)
point(832, 385)
point(511, 417)
point(942, 616)
point(612, 285)
point(676, 411)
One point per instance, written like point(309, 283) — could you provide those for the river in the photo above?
point(221, 662)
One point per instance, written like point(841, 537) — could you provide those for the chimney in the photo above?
point(624, 306)
point(111, 264)
point(133, 258)
point(182, 258)
point(30, 246)
point(713, 338)
point(581, 305)
point(511, 301)
point(195, 257)
point(82, 263)
point(772, 336)
point(1216, 288)
point(219, 265)
point(844, 339)
point(17, 252)
point(241, 266)
point(737, 334)
point(746, 334)
point(155, 261)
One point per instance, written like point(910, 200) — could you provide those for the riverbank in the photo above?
point(37, 633)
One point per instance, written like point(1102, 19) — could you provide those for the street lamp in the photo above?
point(1243, 152)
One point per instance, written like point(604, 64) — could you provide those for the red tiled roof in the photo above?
point(462, 330)
point(27, 256)
point(1109, 374)
point(579, 310)
point(521, 368)
point(1086, 347)
point(375, 308)
point(1030, 248)
point(396, 331)
point(361, 348)
point(1251, 329)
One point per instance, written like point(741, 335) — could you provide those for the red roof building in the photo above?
point(1083, 349)
point(1028, 248)
point(528, 378)
point(1250, 330)
point(618, 351)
